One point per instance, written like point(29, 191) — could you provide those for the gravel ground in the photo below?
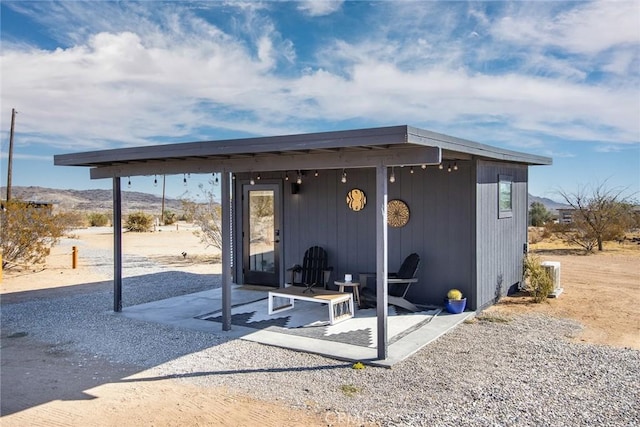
point(521, 372)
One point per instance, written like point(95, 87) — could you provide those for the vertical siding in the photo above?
point(454, 227)
point(439, 230)
point(499, 242)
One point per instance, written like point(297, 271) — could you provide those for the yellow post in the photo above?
point(74, 257)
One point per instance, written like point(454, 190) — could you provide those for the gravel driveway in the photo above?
point(521, 372)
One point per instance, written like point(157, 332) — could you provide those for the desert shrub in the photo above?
point(536, 234)
point(98, 219)
point(562, 231)
point(139, 222)
point(207, 216)
point(72, 220)
point(538, 281)
point(28, 232)
point(169, 217)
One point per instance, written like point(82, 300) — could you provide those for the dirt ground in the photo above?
point(601, 291)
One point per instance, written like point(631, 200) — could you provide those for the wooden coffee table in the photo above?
point(340, 303)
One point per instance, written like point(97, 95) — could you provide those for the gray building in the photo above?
point(370, 197)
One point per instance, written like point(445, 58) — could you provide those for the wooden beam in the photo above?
point(225, 196)
point(117, 246)
point(381, 260)
point(404, 156)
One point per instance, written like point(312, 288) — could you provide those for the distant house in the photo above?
point(565, 215)
point(462, 206)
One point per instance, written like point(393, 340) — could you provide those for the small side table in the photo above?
point(354, 285)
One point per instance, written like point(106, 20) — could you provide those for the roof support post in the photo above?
point(225, 196)
point(381, 260)
point(117, 245)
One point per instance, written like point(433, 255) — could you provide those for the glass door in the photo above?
point(261, 236)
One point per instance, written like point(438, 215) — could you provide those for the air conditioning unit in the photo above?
point(553, 269)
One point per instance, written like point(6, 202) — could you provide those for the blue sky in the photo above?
point(561, 79)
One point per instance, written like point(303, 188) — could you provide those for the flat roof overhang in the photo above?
point(389, 146)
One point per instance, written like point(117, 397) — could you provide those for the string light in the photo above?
point(155, 180)
point(423, 166)
point(392, 178)
point(253, 181)
point(316, 173)
point(286, 176)
point(184, 179)
point(129, 183)
point(258, 177)
point(449, 167)
point(411, 169)
point(344, 176)
point(299, 179)
point(455, 166)
point(440, 166)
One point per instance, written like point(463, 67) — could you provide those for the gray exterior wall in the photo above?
point(440, 228)
point(499, 241)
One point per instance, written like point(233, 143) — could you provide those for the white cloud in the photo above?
point(319, 7)
point(175, 75)
point(584, 28)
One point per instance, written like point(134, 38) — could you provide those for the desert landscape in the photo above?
point(601, 292)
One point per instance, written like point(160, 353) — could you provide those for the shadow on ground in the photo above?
point(34, 372)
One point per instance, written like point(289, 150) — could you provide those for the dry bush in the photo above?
point(169, 218)
point(207, 216)
point(139, 222)
point(536, 234)
point(538, 282)
point(28, 232)
point(98, 219)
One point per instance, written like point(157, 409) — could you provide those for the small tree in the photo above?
point(28, 232)
point(600, 214)
point(538, 214)
point(139, 222)
point(207, 216)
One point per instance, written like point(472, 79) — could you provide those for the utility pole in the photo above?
point(10, 162)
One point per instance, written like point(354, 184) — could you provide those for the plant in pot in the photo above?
point(454, 303)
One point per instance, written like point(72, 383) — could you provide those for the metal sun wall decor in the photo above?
point(356, 199)
point(397, 213)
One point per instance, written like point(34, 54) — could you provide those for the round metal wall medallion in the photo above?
point(356, 199)
point(397, 213)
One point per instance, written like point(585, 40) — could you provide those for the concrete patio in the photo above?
point(195, 311)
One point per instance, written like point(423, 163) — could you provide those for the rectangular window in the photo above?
point(505, 199)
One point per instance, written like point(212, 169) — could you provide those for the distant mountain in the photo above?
point(551, 205)
point(93, 200)
point(101, 200)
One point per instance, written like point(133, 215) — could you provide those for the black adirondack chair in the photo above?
point(314, 270)
point(399, 284)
